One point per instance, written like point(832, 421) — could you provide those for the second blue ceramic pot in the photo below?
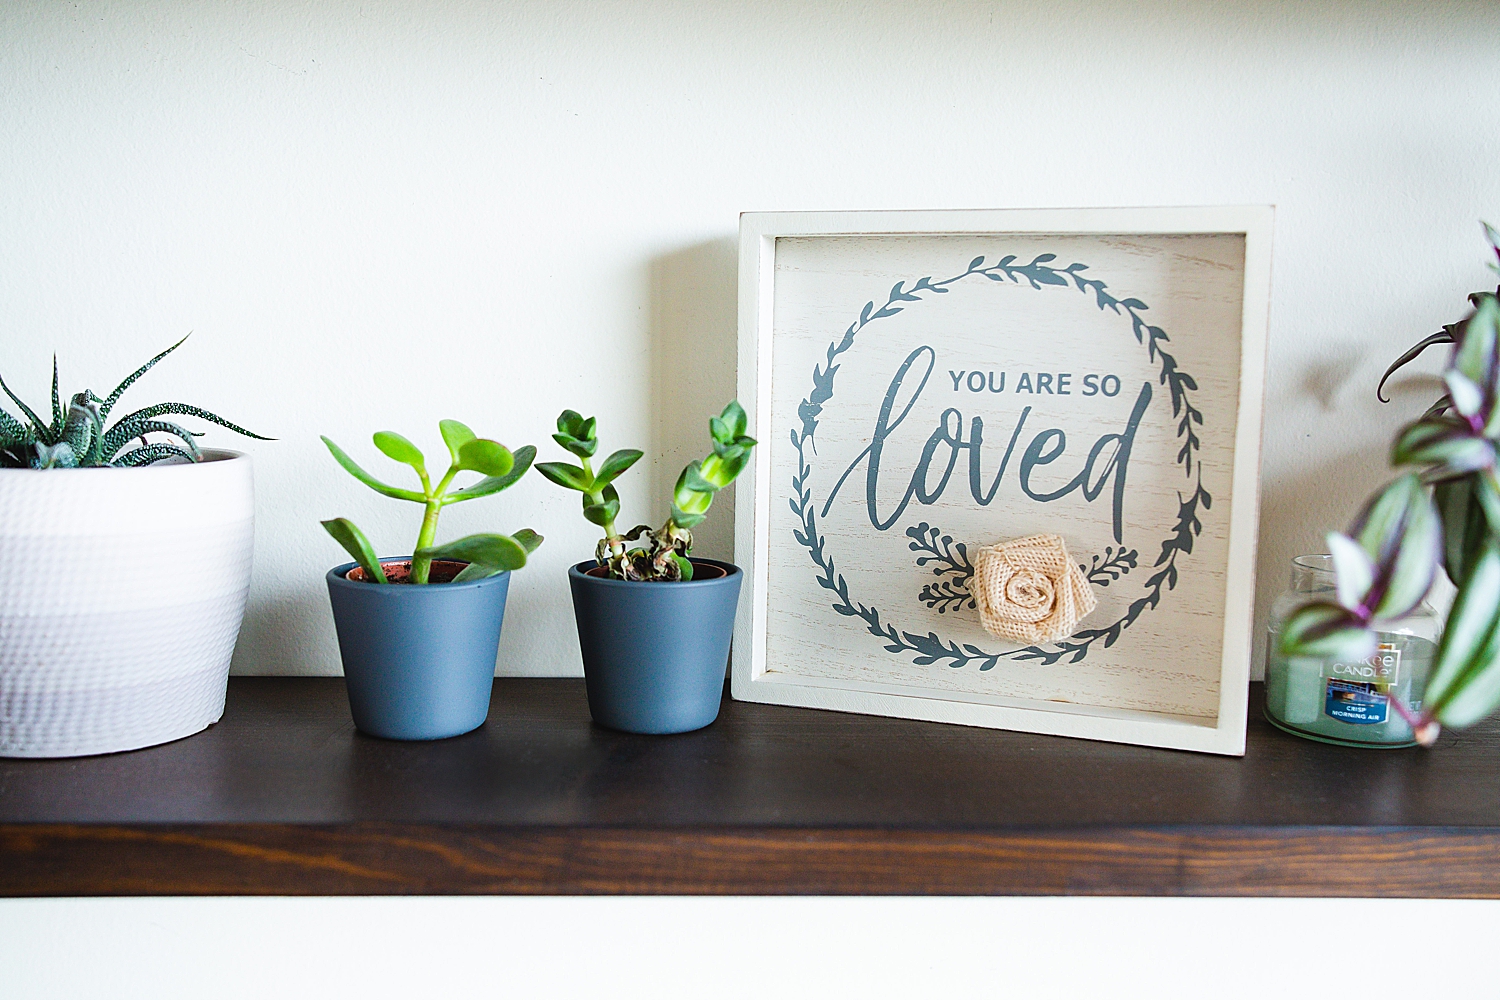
point(654, 653)
point(419, 661)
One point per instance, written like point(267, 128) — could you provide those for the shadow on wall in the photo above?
point(694, 352)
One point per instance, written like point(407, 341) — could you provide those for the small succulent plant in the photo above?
point(1446, 513)
point(76, 438)
point(646, 553)
point(486, 554)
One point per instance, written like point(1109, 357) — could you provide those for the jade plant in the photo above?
point(645, 553)
point(486, 554)
point(1444, 513)
point(76, 437)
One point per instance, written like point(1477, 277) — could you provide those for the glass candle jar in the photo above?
point(1345, 703)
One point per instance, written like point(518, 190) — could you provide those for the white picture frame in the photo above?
point(802, 273)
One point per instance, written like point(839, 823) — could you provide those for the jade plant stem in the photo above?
point(421, 565)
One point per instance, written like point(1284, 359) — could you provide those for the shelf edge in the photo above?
point(370, 858)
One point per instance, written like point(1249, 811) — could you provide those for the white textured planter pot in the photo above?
point(121, 594)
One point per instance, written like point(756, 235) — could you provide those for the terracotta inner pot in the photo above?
point(399, 571)
point(701, 571)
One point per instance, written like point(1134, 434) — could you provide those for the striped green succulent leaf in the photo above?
point(1400, 530)
point(122, 430)
point(111, 445)
point(58, 418)
point(13, 432)
point(1465, 529)
point(1445, 441)
point(147, 454)
point(1325, 629)
point(81, 427)
point(1465, 684)
point(41, 431)
point(1474, 366)
point(56, 456)
point(114, 397)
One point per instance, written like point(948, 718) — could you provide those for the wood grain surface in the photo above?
point(284, 797)
point(427, 859)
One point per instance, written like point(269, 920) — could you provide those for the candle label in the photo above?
point(1356, 692)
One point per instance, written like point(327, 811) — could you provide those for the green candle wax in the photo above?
point(1347, 702)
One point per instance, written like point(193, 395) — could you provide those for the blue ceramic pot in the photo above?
point(419, 661)
point(654, 653)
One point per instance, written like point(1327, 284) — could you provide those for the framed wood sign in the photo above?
point(1083, 386)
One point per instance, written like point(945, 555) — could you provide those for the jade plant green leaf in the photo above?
point(393, 445)
point(455, 436)
point(486, 554)
point(347, 534)
point(482, 455)
point(523, 457)
point(353, 468)
point(75, 435)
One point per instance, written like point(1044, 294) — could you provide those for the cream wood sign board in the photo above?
point(924, 384)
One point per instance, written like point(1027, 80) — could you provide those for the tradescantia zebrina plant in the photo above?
point(76, 438)
point(486, 554)
point(645, 553)
point(1445, 512)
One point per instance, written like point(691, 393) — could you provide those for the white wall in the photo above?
point(378, 214)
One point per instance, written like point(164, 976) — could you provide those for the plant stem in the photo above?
point(1424, 727)
point(610, 534)
point(421, 566)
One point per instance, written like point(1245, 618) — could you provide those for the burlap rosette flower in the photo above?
point(1029, 590)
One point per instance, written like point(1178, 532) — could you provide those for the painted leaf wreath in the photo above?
point(952, 593)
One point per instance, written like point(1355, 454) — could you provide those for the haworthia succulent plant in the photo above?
point(1445, 513)
point(646, 553)
point(76, 438)
point(486, 554)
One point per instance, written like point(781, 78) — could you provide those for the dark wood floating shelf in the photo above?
point(284, 797)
